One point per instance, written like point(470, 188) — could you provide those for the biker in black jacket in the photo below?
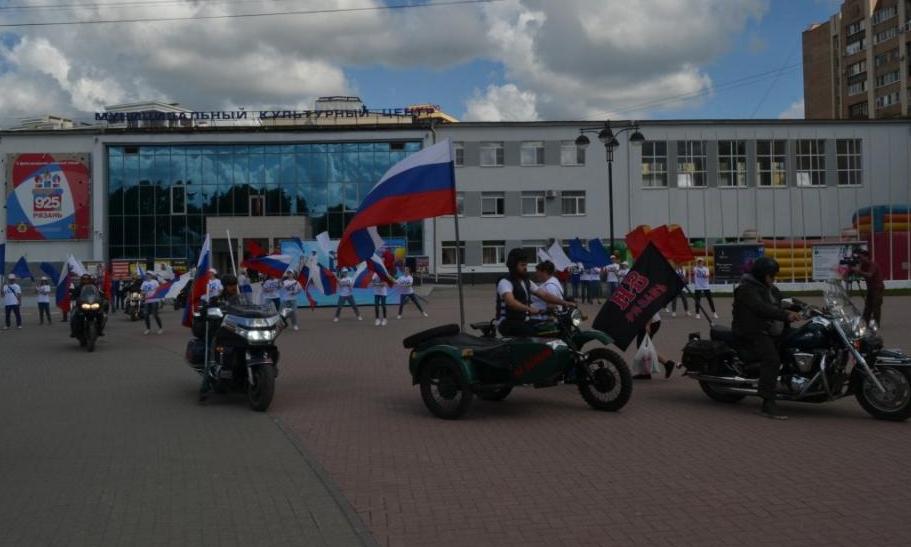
point(759, 321)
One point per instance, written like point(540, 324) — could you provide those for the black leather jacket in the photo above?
point(757, 309)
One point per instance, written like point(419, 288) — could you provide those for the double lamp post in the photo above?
point(609, 139)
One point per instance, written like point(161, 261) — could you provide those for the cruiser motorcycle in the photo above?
point(133, 305)
point(834, 354)
point(242, 355)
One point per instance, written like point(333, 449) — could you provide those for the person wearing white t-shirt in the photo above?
point(12, 300)
point(272, 292)
point(624, 271)
point(514, 292)
point(149, 309)
point(701, 279)
point(44, 300)
point(405, 284)
point(291, 288)
point(346, 295)
point(380, 292)
point(613, 276)
point(544, 272)
point(214, 286)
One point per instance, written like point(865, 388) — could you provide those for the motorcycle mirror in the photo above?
point(214, 313)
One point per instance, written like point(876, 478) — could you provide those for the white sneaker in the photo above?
point(689, 314)
point(377, 322)
point(425, 314)
point(715, 314)
point(359, 318)
point(147, 331)
point(398, 316)
point(667, 310)
point(19, 327)
point(295, 327)
point(697, 316)
point(383, 322)
point(335, 319)
point(160, 331)
point(673, 314)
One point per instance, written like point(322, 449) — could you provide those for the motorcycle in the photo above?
point(133, 305)
point(90, 317)
point(242, 355)
point(834, 354)
point(452, 367)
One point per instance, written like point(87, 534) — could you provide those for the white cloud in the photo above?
point(795, 111)
point(502, 103)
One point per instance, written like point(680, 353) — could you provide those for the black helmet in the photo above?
point(515, 256)
point(229, 279)
point(763, 266)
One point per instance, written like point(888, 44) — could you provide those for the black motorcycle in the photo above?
point(89, 317)
point(833, 355)
point(241, 355)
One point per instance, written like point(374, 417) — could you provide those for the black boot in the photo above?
point(770, 410)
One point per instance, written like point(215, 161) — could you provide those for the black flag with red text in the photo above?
point(649, 286)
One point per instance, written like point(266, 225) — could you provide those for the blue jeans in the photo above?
point(346, 300)
point(405, 298)
point(44, 310)
point(150, 309)
point(379, 301)
point(13, 309)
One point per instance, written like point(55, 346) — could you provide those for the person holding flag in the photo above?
point(12, 301)
point(149, 303)
point(272, 292)
point(405, 284)
point(44, 300)
point(291, 288)
point(380, 291)
point(346, 295)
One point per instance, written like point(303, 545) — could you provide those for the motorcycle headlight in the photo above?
point(95, 306)
point(257, 335)
point(576, 317)
point(85, 306)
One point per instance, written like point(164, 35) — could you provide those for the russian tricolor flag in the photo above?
point(271, 265)
point(200, 282)
point(418, 187)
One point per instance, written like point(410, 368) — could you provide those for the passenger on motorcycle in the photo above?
point(759, 322)
point(514, 292)
point(547, 281)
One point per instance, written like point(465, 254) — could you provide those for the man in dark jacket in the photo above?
point(873, 301)
point(759, 320)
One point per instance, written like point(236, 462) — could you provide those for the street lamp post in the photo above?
point(609, 139)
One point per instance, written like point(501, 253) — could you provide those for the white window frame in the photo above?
point(494, 149)
point(856, 46)
point(498, 197)
point(856, 68)
point(887, 100)
point(499, 250)
point(777, 170)
point(849, 162)
point(735, 176)
point(458, 153)
point(886, 57)
point(571, 155)
point(449, 248)
point(577, 198)
point(857, 88)
point(689, 173)
point(888, 78)
point(810, 163)
point(540, 206)
point(531, 247)
point(885, 35)
point(883, 14)
point(651, 161)
point(854, 28)
point(531, 148)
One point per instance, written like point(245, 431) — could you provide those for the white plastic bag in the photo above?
point(646, 358)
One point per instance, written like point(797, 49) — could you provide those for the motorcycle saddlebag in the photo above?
point(196, 352)
point(705, 356)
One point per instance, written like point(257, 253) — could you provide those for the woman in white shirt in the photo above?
point(701, 279)
point(12, 298)
point(44, 300)
point(380, 291)
point(346, 295)
point(272, 292)
point(405, 283)
point(550, 284)
point(291, 287)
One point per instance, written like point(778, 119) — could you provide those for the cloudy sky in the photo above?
point(501, 60)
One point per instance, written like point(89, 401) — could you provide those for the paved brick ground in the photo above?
point(111, 448)
point(541, 468)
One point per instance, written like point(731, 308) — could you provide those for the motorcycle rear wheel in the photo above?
point(611, 383)
point(895, 404)
point(445, 389)
point(260, 394)
point(720, 396)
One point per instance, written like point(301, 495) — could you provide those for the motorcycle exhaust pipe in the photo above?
point(729, 381)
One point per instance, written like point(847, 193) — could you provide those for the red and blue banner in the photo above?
point(49, 197)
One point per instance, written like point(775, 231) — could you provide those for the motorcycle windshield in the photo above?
point(843, 310)
point(88, 294)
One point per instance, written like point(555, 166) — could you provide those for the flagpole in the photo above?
point(455, 217)
point(231, 252)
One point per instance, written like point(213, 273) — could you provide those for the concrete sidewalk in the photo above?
point(111, 448)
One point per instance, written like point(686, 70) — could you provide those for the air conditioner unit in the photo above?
point(551, 194)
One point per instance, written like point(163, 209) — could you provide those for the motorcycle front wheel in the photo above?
point(261, 392)
point(895, 403)
point(608, 384)
point(445, 389)
point(91, 335)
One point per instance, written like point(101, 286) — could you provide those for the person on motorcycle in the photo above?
point(514, 292)
point(759, 321)
point(76, 315)
point(229, 295)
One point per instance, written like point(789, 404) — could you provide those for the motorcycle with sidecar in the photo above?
point(452, 367)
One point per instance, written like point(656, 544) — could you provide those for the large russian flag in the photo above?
point(271, 265)
point(200, 282)
point(418, 187)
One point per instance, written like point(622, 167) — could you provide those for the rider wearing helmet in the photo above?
point(514, 292)
point(759, 321)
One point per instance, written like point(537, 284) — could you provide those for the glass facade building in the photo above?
point(160, 196)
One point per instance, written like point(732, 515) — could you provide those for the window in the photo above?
point(691, 164)
point(887, 34)
point(884, 14)
point(770, 163)
point(491, 154)
point(857, 68)
point(888, 99)
point(493, 253)
point(654, 164)
point(570, 154)
point(448, 255)
point(855, 47)
point(848, 158)
point(178, 200)
point(859, 110)
point(530, 247)
point(458, 150)
point(855, 27)
point(887, 78)
point(887, 57)
point(811, 162)
point(531, 153)
point(732, 163)
point(257, 206)
point(532, 204)
point(492, 204)
point(573, 203)
point(857, 88)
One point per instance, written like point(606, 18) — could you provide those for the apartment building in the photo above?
point(856, 64)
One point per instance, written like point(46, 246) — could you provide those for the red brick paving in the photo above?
point(541, 468)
